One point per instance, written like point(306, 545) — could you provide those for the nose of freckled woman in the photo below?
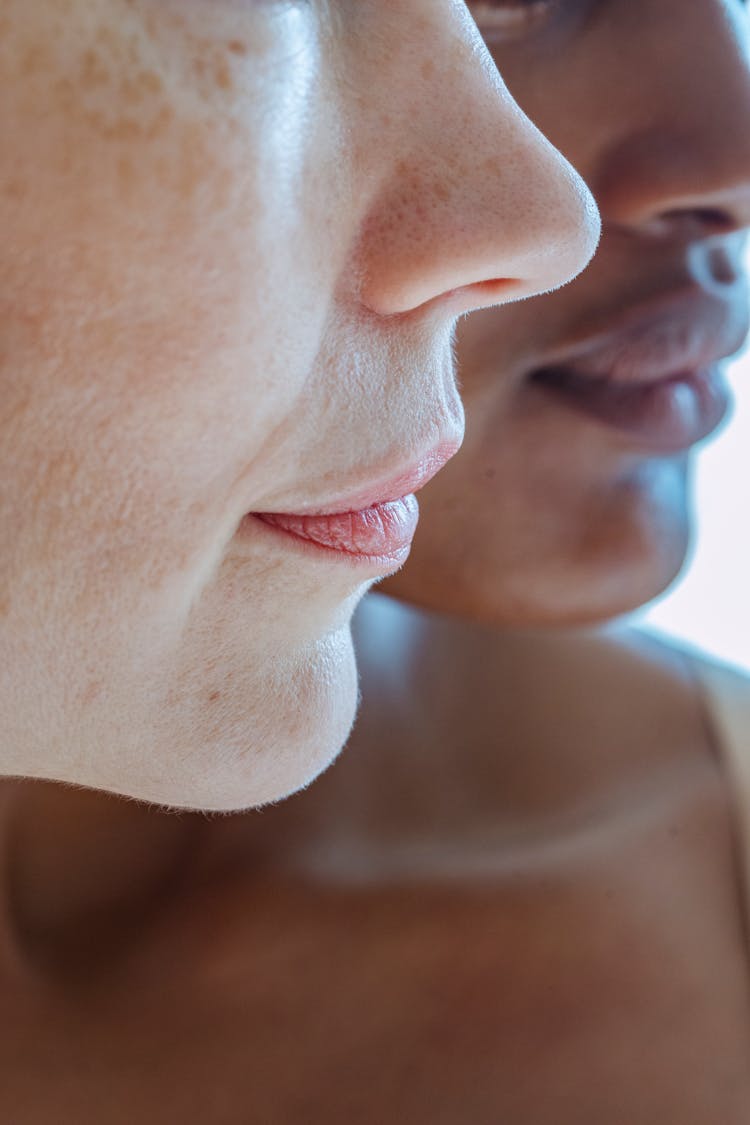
point(476, 199)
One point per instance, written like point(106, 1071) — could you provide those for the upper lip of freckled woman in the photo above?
point(361, 496)
point(646, 343)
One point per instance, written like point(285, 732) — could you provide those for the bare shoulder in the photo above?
point(639, 691)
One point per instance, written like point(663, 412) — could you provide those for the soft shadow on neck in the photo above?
point(84, 874)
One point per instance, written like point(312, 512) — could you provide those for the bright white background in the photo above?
point(710, 605)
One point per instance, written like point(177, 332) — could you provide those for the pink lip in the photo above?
point(384, 531)
point(654, 377)
point(374, 523)
point(413, 478)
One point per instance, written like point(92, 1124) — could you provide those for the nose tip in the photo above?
point(528, 224)
point(560, 224)
point(548, 237)
point(478, 208)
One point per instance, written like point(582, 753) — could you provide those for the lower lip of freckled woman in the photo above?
point(380, 536)
point(665, 416)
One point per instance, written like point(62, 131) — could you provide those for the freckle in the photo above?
point(125, 174)
point(237, 47)
point(123, 130)
point(34, 59)
point(15, 189)
point(107, 37)
point(490, 474)
point(150, 82)
point(92, 691)
point(223, 75)
point(66, 163)
point(93, 70)
point(428, 69)
point(63, 90)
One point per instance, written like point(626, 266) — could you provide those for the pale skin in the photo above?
point(220, 297)
point(237, 238)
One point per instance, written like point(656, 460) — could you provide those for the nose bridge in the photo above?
point(475, 194)
point(687, 145)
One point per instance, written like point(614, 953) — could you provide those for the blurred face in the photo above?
point(236, 238)
point(569, 500)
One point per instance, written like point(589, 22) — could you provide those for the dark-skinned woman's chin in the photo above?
point(564, 570)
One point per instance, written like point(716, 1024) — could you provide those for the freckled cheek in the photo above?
point(130, 429)
point(159, 274)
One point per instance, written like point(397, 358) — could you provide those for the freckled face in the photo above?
point(145, 357)
point(210, 212)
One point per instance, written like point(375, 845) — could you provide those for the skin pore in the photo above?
point(215, 305)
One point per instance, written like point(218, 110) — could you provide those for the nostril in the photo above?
point(484, 294)
point(714, 219)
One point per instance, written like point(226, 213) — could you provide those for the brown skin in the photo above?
point(438, 936)
point(516, 897)
point(546, 517)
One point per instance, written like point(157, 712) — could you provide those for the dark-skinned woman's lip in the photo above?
point(380, 536)
point(667, 416)
point(682, 331)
